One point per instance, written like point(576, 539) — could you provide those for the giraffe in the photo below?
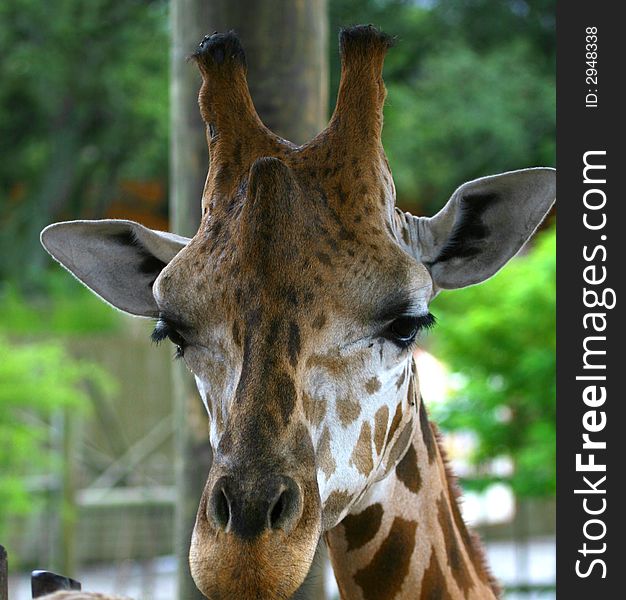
point(296, 307)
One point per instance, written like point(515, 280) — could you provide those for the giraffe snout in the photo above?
point(247, 509)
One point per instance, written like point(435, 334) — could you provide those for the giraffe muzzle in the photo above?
point(247, 509)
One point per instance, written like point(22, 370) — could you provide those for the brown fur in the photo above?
point(470, 539)
point(348, 410)
point(307, 236)
point(434, 586)
point(362, 527)
point(381, 419)
point(314, 410)
point(264, 201)
point(453, 566)
point(336, 503)
point(362, 454)
point(393, 558)
point(408, 472)
point(325, 458)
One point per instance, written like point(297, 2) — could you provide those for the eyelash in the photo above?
point(162, 331)
point(416, 323)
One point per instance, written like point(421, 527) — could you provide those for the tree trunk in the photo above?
point(188, 165)
point(285, 43)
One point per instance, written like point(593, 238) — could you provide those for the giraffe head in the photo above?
point(296, 307)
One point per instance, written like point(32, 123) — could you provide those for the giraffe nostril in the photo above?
point(286, 507)
point(277, 511)
point(246, 509)
point(219, 508)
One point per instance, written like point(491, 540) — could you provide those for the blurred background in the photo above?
point(98, 119)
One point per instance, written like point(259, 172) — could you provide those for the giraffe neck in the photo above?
point(407, 539)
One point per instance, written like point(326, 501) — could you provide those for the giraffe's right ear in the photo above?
point(118, 260)
point(483, 225)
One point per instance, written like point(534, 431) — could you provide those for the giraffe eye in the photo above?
point(403, 330)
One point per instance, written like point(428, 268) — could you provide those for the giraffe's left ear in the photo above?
point(484, 224)
point(116, 259)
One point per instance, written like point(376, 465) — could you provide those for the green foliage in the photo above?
point(471, 89)
point(36, 380)
point(84, 102)
point(500, 336)
point(489, 24)
point(61, 306)
point(83, 105)
point(466, 116)
point(40, 379)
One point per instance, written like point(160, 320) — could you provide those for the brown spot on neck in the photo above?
point(380, 427)
point(427, 434)
point(382, 579)
point(408, 471)
point(335, 504)
point(348, 410)
point(325, 460)
point(470, 540)
point(362, 527)
point(335, 367)
point(362, 454)
point(456, 559)
point(434, 586)
point(475, 551)
point(401, 445)
point(314, 409)
point(395, 423)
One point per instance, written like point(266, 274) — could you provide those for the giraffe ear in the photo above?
point(117, 260)
point(483, 225)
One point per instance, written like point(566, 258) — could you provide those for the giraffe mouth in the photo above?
point(272, 567)
point(254, 537)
